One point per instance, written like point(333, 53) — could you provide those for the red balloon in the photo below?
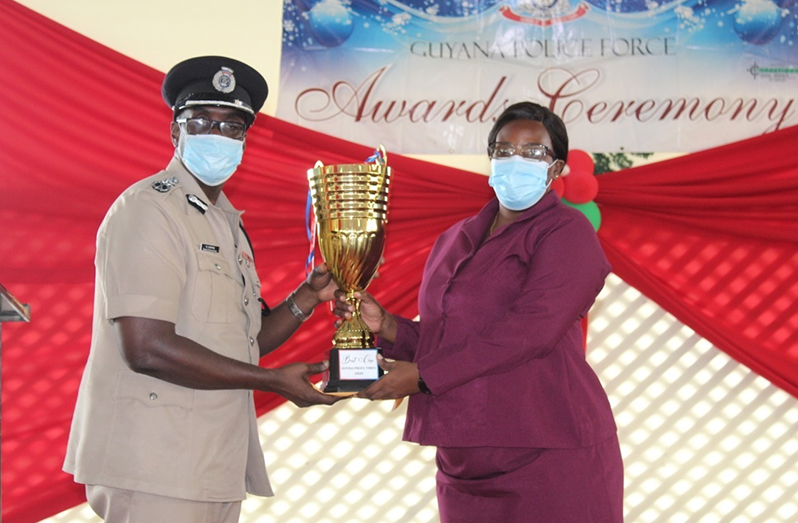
point(580, 162)
point(558, 186)
point(580, 189)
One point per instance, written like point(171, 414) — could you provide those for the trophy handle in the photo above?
point(383, 154)
point(353, 333)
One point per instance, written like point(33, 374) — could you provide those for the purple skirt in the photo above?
point(519, 485)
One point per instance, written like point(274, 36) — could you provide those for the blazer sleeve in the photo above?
point(406, 343)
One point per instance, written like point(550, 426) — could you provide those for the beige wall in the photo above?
point(161, 33)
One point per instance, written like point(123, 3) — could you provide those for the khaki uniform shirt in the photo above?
point(165, 253)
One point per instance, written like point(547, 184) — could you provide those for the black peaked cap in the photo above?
point(214, 80)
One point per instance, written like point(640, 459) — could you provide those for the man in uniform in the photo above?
point(164, 429)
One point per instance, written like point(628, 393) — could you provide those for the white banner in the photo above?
point(429, 77)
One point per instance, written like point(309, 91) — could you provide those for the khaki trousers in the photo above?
point(127, 506)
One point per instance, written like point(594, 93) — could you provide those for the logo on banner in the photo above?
point(544, 13)
point(774, 74)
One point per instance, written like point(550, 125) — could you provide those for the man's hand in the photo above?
point(282, 322)
point(401, 380)
point(321, 283)
point(153, 348)
point(292, 382)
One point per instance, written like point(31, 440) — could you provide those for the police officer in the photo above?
point(164, 429)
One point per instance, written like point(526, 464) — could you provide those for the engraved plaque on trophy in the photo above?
point(350, 203)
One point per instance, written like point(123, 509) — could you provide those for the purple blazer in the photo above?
point(499, 341)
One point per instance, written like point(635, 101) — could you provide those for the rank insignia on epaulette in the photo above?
point(165, 185)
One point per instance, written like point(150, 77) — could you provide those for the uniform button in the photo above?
point(153, 396)
point(251, 341)
point(246, 301)
point(218, 266)
point(240, 259)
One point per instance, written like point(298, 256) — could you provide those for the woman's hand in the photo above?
point(401, 380)
point(381, 322)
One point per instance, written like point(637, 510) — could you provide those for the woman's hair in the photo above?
point(532, 111)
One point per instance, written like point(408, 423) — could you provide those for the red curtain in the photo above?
point(711, 237)
point(81, 124)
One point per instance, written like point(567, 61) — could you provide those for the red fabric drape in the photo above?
point(83, 122)
point(713, 238)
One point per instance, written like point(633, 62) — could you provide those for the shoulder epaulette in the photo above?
point(165, 185)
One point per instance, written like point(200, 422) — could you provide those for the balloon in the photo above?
point(331, 23)
point(558, 186)
point(580, 189)
point(580, 162)
point(590, 210)
point(580, 186)
point(757, 21)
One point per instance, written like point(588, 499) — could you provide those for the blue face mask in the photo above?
point(210, 157)
point(518, 183)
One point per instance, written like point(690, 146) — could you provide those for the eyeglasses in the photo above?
point(201, 125)
point(530, 151)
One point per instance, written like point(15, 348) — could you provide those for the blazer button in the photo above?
point(240, 259)
point(251, 341)
point(218, 267)
point(246, 301)
point(153, 396)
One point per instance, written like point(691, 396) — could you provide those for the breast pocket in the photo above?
point(216, 290)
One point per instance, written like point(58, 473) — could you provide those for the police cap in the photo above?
point(215, 80)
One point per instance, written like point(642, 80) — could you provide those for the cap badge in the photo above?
point(165, 185)
point(224, 81)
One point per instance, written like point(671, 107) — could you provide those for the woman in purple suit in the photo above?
point(495, 368)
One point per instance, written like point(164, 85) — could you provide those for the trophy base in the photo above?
point(350, 371)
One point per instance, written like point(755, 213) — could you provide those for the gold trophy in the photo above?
point(350, 203)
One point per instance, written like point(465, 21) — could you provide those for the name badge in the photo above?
point(209, 248)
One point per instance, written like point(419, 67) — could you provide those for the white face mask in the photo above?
point(212, 158)
point(519, 183)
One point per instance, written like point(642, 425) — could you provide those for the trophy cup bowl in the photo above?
point(350, 203)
